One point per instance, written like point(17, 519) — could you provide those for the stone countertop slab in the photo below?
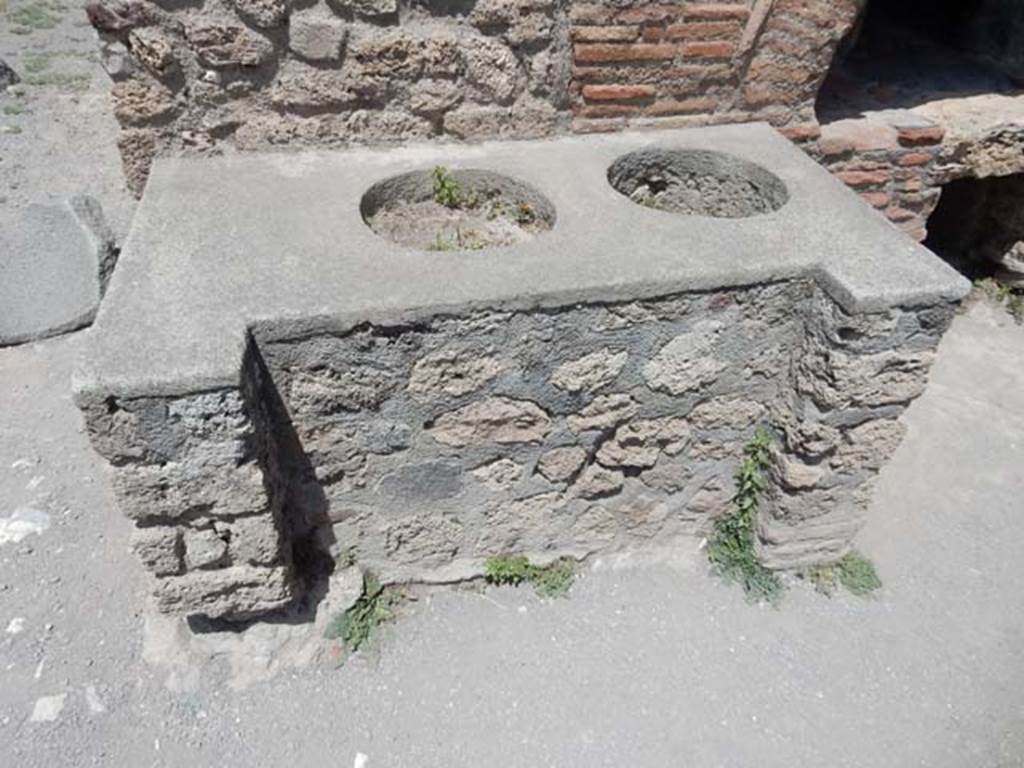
point(223, 245)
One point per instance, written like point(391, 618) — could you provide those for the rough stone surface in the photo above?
point(499, 475)
point(731, 413)
point(222, 45)
point(137, 102)
point(603, 412)
point(262, 13)
point(204, 549)
point(419, 504)
point(560, 464)
point(368, 8)
point(377, 75)
point(154, 49)
point(424, 540)
point(451, 372)
point(317, 35)
point(589, 373)
point(797, 476)
point(533, 68)
point(523, 525)
point(54, 265)
point(639, 443)
point(204, 475)
point(494, 420)
point(944, 543)
point(159, 549)
point(688, 361)
point(237, 592)
point(596, 481)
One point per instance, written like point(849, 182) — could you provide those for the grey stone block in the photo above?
point(316, 34)
point(54, 265)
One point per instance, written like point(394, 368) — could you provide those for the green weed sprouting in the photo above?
point(731, 544)
point(447, 190)
point(853, 571)
point(359, 623)
point(553, 580)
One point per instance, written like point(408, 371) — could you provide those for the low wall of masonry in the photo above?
point(424, 448)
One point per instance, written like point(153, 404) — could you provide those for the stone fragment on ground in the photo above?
point(8, 76)
point(256, 652)
point(48, 708)
point(54, 265)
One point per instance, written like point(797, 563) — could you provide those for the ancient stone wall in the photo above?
point(854, 376)
point(265, 73)
point(255, 74)
point(419, 450)
point(201, 476)
point(251, 74)
point(552, 432)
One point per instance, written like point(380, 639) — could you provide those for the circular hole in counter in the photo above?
point(456, 210)
point(697, 182)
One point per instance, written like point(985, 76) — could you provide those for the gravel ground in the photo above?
point(57, 131)
point(644, 664)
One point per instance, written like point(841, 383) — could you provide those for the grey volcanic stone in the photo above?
point(54, 263)
point(8, 76)
point(430, 481)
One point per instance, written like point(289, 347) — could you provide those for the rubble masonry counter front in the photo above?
point(266, 369)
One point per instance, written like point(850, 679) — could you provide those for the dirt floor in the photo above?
point(57, 131)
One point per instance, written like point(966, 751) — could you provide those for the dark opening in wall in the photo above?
point(903, 53)
point(978, 227)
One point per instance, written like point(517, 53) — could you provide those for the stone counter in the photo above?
point(268, 374)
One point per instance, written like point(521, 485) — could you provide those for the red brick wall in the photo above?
point(893, 167)
point(696, 62)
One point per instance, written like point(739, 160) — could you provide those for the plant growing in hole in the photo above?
point(442, 244)
point(853, 571)
point(462, 242)
point(448, 192)
point(377, 605)
point(731, 544)
point(553, 580)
